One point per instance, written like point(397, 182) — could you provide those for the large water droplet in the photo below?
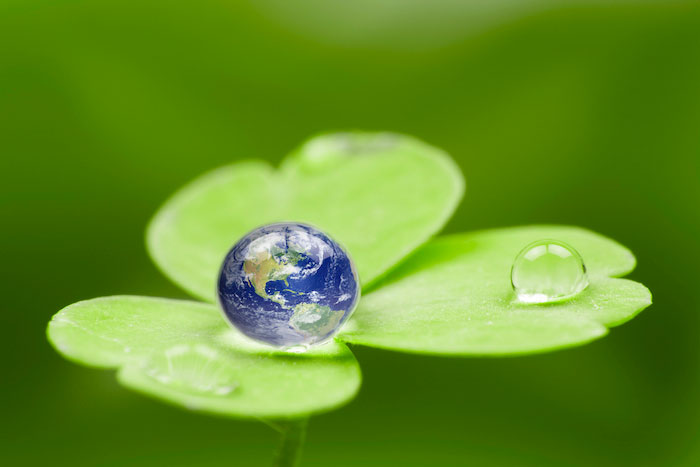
point(548, 271)
point(287, 285)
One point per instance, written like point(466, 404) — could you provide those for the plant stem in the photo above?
point(292, 439)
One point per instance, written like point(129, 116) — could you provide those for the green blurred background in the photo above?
point(565, 112)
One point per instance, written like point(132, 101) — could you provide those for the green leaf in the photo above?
point(184, 353)
point(453, 297)
point(381, 195)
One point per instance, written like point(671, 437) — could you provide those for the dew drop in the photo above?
point(196, 369)
point(548, 271)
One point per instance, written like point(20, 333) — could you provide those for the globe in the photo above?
point(288, 285)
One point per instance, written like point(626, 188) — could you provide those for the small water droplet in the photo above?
point(548, 271)
point(197, 369)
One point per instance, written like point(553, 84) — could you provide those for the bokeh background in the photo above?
point(575, 112)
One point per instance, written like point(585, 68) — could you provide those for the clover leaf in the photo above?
point(185, 353)
point(381, 195)
point(453, 297)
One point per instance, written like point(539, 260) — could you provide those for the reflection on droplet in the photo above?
point(197, 369)
point(297, 349)
point(548, 271)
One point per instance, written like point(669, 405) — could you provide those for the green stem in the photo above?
point(292, 439)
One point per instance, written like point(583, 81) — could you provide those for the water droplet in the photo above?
point(548, 271)
point(288, 284)
point(197, 369)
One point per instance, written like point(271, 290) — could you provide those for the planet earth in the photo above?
point(288, 285)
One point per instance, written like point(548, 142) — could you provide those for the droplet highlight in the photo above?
point(297, 349)
point(548, 271)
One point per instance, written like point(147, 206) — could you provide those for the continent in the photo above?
point(265, 266)
point(315, 320)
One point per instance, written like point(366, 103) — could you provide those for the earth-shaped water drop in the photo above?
point(288, 285)
point(548, 271)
